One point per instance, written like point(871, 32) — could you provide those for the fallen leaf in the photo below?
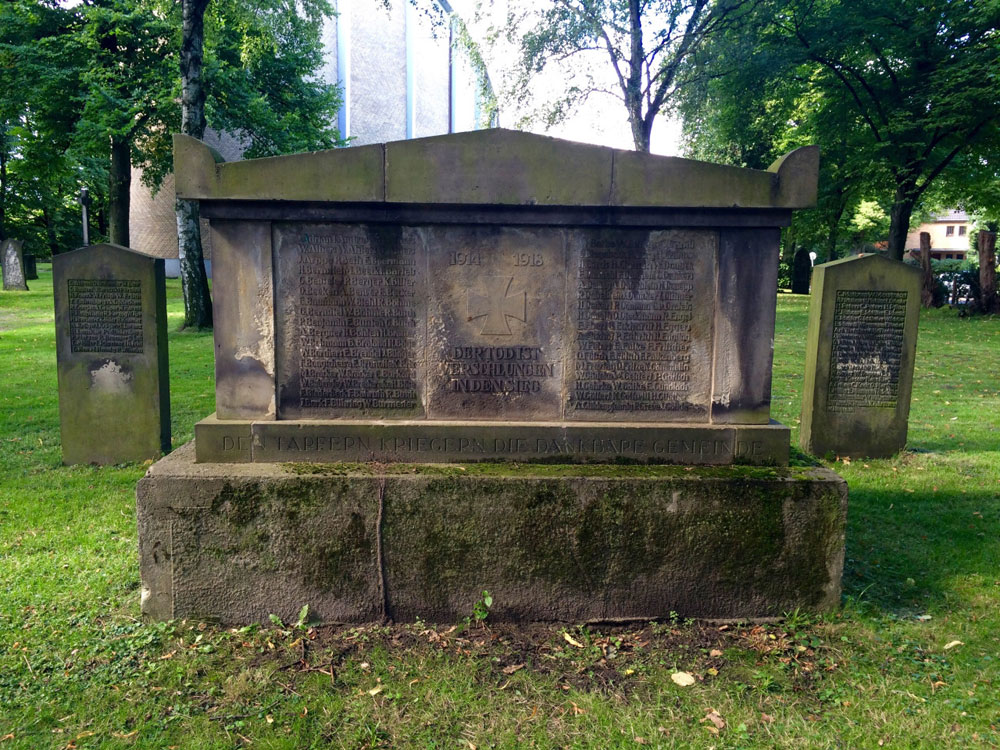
point(684, 679)
point(269, 719)
point(714, 717)
point(767, 718)
point(712, 671)
point(571, 640)
point(715, 652)
point(375, 690)
point(576, 709)
point(641, 741)
point(953, 644)
point(512, 668)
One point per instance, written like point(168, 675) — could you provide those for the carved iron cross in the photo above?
point(498, 304)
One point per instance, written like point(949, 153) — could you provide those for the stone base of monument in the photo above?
point(364, 542)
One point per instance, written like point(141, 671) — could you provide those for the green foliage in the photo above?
point(899, 97)
point(71, 78)
point(643, 46)
point(481, 609)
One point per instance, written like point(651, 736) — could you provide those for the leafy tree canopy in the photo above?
point(76, 82)
point(899, 94)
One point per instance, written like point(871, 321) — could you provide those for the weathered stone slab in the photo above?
point(350, 321)
point(495, 322)
point(495, 167)
point(641, 325)
point(243, 308)
point(417, 441)
point(498, 167)
point(13, 266)
point(744, 325)
point(111, 348)
point(859, 358)
point(240, 542)
point(30, 267)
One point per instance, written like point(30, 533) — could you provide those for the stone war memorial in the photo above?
point(12, 261)
point(111, 350)
point(490, 360)
point(860, 350)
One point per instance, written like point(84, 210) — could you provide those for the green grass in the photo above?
point(78, 668)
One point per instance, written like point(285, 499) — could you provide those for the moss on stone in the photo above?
point(554, 470)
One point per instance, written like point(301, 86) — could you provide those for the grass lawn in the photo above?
point(911, 660)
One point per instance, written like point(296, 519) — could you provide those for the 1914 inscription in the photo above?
point(866, 349)
point(634, 347)
point(105, 315)
point(356, 314)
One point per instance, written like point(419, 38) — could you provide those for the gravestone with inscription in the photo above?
point(111, 347)
point(859, 357)
point(30, 266)
point(490, 297)
point(13, 266)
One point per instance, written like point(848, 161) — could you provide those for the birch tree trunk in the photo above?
point(194, 279)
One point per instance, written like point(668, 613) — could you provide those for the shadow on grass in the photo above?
point(908, 553)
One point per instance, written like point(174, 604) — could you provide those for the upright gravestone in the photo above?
point(30, 267)
point(801, 270)
point(111, 347)
point(859, 358)
point(13, 266)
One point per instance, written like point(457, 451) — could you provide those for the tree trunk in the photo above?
point(987, 245)
point(50, 230)
point(3, 182)
point(927, 289)
point(194, 279)
point(120, 183)
point(899, 218)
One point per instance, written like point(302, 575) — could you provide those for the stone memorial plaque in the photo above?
point(859, 368)
point(349, 321)
point(497, 297)
point(111, 347)
point(13, 266)
point(643, 317)
point(449, 297)
point(496, 321)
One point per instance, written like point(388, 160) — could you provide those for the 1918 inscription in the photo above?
point(355, 318)
point(635, 328)
point(105, 315)
point(866, 349)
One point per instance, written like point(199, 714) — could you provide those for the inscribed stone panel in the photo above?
point(867, 348)
point(105, 315)
point(642, 318)
point(349, 321)
point(495, 321)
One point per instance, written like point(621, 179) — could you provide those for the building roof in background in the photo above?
point(952, 216)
